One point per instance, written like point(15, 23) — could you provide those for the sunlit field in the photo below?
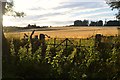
point(66, 32)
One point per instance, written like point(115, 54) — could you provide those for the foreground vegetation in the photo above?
point(79, 63)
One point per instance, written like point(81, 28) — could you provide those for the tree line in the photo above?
point(29, 26)
point(96, 23)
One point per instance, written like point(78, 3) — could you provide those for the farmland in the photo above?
point(66, 32)
point(85, 59)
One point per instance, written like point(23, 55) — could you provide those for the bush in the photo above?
point(63, 63)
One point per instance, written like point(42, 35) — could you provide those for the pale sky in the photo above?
point(59, 12)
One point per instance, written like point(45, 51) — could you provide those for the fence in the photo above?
point(96, 42)
point(75, 42)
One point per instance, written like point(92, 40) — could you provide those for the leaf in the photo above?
point(9, 10)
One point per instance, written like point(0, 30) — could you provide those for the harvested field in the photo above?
point(67, 32)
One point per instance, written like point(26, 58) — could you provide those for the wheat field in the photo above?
point(66, 32)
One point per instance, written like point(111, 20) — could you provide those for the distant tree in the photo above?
point(77, 23)
point(100, 23)
point(85, 23)
point(93, 23)
point(28, 25)
point(81, 23)
point(34, 26)
point(115, 4)
point(113, 23)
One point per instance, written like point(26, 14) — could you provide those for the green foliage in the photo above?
point(115, 5)
point(85, 63)
point(9, 10)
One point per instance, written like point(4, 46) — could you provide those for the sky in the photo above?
point(59, 12)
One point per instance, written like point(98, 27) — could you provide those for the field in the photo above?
point(66, 32)
point(71, 59)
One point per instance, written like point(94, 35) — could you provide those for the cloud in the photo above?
point(80, 5)
point(36, 8)
point(66, 8)
point(94, 14)
point(87, 1)
point(61, 23)
point(59, 12)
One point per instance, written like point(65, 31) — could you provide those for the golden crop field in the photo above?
point(67, 32)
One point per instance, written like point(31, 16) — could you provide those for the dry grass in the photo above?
point(68, 32)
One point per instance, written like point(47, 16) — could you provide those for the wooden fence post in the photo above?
point(54, 42)
point(118, 31)
point(42, 39)
point(98, 39)
point(80, 42)
point(54, 45)
point(66, 42)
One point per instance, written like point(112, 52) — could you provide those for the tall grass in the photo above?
point(80, 63)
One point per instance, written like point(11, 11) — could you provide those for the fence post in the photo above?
point(66, 45)
point(80, 42)
point(118, 31)
point(66, 42)
point(42, 39)
point(54, 45)
point(98, 39)
point(54, 42)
